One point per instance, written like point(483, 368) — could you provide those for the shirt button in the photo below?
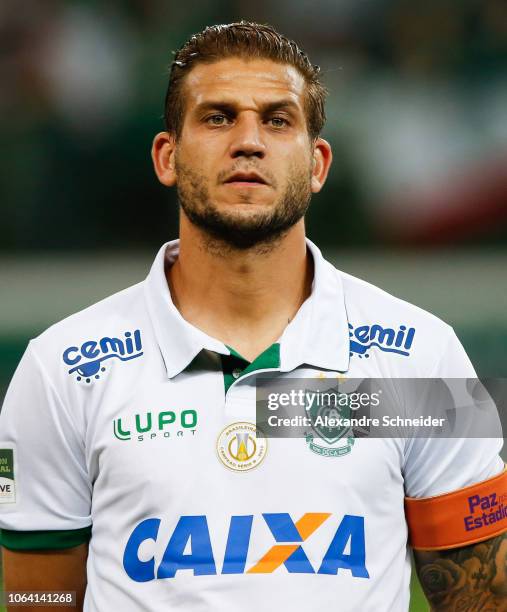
point(236, 373)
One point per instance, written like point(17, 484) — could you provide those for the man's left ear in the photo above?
point(322, 158)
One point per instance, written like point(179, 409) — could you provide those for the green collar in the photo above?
point(234, 366)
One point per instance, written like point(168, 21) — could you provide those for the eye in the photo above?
point(278, 122)
point(217, 120)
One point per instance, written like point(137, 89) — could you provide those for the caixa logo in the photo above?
point(387, 339)
point(189, 547)
point(87, 360)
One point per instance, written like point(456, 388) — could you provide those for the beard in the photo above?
point(260, 229)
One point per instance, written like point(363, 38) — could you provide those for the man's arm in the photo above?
point(466, 579)
point(46, 570)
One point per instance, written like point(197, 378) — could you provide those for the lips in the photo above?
point(246, 177)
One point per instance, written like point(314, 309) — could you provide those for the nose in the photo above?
point(247, 138)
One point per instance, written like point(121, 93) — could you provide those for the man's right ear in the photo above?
point(162, 153)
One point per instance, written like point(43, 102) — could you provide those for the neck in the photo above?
point(243, 298)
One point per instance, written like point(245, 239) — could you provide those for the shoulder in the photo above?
point(368, 300)
point(395, 329)
point(112, 325)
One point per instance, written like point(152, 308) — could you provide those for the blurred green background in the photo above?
point(417, 116)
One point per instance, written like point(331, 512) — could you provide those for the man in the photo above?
point(130, 426)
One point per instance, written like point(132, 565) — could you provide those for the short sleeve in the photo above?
point(39, 440)
point(434, 466)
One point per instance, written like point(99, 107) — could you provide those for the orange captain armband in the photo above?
point(469, 515)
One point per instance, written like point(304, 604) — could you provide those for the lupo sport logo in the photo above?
point(87, 360)
point(387, 339)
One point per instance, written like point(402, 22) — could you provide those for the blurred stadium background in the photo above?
point(417, 116)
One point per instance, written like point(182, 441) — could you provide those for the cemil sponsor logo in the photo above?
point(190, 547)
point(387, 339)
point(87, 360)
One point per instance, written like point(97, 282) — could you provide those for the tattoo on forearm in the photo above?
point(468, 579)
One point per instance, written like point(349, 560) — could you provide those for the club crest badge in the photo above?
point(333, 440)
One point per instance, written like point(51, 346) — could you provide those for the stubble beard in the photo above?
point(225, 231)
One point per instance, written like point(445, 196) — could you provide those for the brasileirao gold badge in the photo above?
point(241, 446)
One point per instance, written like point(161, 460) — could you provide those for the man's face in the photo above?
point(243, 161)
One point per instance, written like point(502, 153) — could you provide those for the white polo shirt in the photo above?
point(120, 419)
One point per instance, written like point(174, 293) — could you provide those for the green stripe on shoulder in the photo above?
point(44, 540)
